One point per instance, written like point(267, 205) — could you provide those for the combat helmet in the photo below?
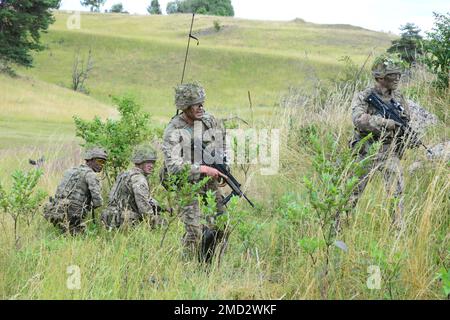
point(387, 64)
point(142, 154)
point(189, 94)
point(95, 152)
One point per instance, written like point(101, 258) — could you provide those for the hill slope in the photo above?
point(32, 111)
point(144, 55)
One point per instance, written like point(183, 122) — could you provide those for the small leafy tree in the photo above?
point(410, 45)
point(117, 8)
point(154, 7)
point(22, 200)
point(336, 173)
point(118, 137)
point(21, 24)
point(217, 25)
point(93, 4)
point(438, 50)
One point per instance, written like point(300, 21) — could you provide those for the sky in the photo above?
point(379, 15)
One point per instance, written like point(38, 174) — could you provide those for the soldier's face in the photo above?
point(391, 81)
point(147, 167)
point(97, 164)
point(195, 112)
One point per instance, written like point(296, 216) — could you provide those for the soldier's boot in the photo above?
point(207, 247)
point(76, 225)
point(210, 239)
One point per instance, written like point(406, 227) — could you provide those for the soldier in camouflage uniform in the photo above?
point(387, 72)
point(180, 137)
point(129, 200)
point(78, 193)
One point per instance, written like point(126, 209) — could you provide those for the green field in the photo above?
point(287, 66)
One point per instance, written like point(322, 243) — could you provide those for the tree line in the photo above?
point(209, 7)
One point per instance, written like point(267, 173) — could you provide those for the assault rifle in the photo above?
point(209, 160)
point(391, 112)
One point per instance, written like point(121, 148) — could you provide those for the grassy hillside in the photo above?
point(144, 55)
point(35, 112)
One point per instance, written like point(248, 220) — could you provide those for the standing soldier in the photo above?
point(180, 146)
point(387, 71)
point(78, 193)
point(129, 200)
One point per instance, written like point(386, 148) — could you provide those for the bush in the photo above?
point(438, 48)
point(118, 137)
point(336, 173)
point(22, 200)
point(217, 25)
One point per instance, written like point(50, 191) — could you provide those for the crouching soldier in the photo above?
point(129, 200)
point(78, 193)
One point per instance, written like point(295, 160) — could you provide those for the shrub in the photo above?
point(118, 137)
point(23, 199)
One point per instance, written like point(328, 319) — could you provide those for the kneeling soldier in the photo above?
point(78, 193)
point(129, 200)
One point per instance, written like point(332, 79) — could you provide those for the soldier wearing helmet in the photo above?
point(129, 199)
point(184, 136)
point(78, 193)
point(387, 71)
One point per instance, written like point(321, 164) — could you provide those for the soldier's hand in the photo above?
point(211, 172)
point(391, 124)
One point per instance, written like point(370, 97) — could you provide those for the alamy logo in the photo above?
point(374, 279)
point(74, 280)
point(251, 146)
point(74, 21)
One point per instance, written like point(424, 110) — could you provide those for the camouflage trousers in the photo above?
point(192, 219)
point(66, 215)
point(388, 162)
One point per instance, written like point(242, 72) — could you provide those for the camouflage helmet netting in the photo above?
point(387, 64)
point(142, 154)
point(95, 152)
point(189, 94)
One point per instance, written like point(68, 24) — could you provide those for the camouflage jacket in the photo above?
point(80, 186)
point(178, 143)
point(131, 191)
point(366, 120)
